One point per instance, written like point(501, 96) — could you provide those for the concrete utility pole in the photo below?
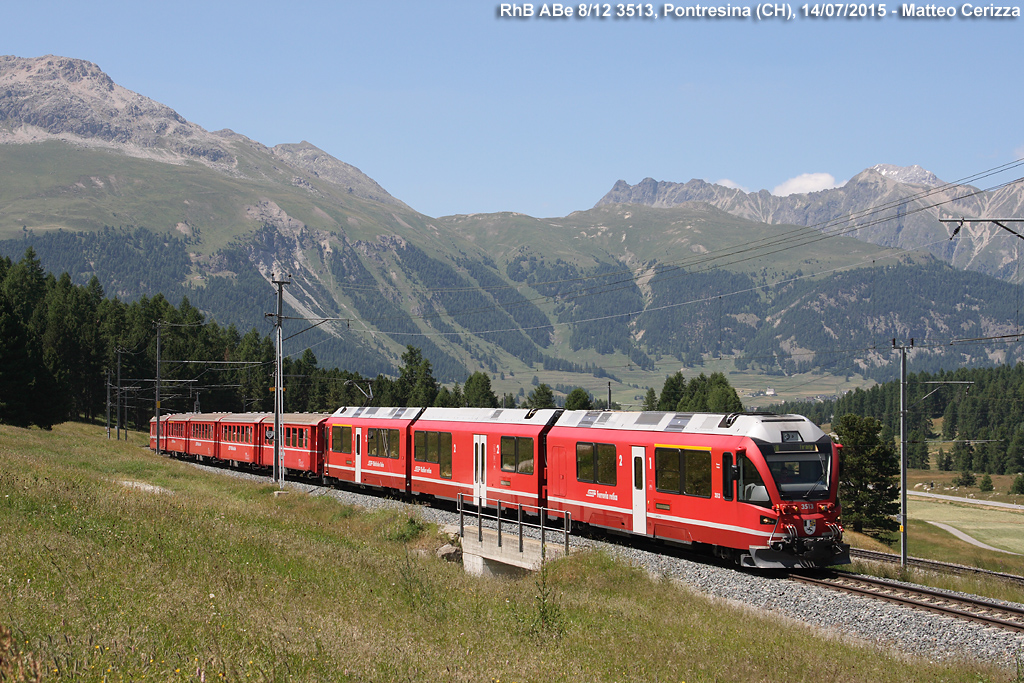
point(108, 403)
point(278, 382)
point(903, 448)
point(119, 394)
point(158, 387)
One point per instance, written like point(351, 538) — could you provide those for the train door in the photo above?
point(639, 491)
point(359, 454)
point(479, 469)
point(557, 466)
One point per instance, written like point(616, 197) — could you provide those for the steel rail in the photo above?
point(961, 607)
point(935, 565)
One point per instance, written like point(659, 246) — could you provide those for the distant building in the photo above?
point(769, 392)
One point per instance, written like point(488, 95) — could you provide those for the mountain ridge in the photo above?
point(148, 197)
point(887, 205)
point(73, 100)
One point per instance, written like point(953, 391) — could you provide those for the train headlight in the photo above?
point(826, 507)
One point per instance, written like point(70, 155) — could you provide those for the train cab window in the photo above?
point(682, 470)
point(595, 463)
point(517, 454)
point(750, 486)
point(341, 439)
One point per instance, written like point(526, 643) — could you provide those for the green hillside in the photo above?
point(618, 287)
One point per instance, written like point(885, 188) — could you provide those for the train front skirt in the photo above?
point(809, 553)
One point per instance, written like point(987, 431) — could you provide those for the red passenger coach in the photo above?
point(163, 433)
point(487, 454)
point(302, 442)
point(176, 431)
point(370, 446)
point(202, 435)
point(240, 437)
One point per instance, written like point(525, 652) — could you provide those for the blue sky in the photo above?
point(454, 110)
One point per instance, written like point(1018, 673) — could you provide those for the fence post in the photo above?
point(499, 523)
point(568, 529)
point(542, 514)
point(462, 524)
point(520, 527)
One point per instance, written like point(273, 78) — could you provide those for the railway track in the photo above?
point(935, 566)
point(958, 606)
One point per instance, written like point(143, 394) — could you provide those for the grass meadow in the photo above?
point(120, 565)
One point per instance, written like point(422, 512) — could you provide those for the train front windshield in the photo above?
point(801, 472)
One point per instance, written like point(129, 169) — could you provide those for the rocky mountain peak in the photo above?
point(75, 101)
point(911, 175)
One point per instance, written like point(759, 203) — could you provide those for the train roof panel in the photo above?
point(246, 417)
point(198, 417)
point(302, 418)
point(378, 413)
point(513, 416)
point(755, 425)
point(490, 415)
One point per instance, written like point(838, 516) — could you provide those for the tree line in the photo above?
point(981, 411)
point(62, 345)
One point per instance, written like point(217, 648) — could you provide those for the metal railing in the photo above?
point(542, 514)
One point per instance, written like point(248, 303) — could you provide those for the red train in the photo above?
point(758, 489)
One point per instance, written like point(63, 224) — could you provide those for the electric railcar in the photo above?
point(758, 489)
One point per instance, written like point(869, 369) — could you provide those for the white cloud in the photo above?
point(805, 182)
point(1019, 152)
point(725, 182)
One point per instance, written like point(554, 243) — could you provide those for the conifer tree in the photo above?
point(650, 400)
point(868, 469)
point(578, 399)
point(478, 393)
point(541, 397)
